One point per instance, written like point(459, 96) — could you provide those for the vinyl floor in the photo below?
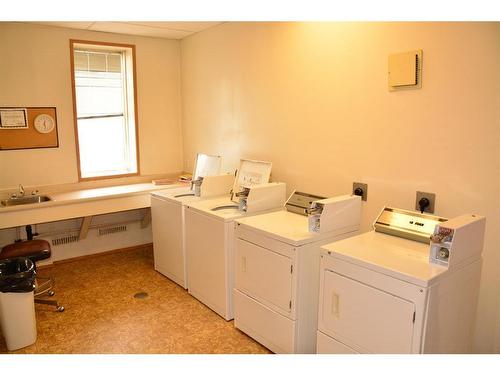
point(102, 315)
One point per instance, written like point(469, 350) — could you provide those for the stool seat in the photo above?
point(35, 250)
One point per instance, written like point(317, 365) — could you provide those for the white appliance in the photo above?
point(210, 234)
point(389, 291)
point(277, 269)
point(167, 212)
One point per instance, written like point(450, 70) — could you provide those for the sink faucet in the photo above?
point(21, 190)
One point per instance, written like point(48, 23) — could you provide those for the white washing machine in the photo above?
point(210, 234)
point(409, 286)
point(167, 212)
point(277, 270)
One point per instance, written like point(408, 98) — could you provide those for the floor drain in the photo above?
point(141, 295)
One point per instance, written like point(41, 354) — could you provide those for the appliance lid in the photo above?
point(284, 226)
point(393, 256)
point(210, 207)
point(172, 192)
point(206, 165)
point(299, 202)
point(250, 172)
point(410, 225)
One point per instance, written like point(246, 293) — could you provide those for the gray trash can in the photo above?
point(17, 302)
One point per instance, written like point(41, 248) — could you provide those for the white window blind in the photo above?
point(106, 132)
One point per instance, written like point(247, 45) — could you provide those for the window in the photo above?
point(105, 112)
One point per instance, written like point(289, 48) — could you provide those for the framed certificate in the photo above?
point(13, 118)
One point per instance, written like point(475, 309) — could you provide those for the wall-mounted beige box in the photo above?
point(405, 70)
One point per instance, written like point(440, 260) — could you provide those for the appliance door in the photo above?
point(273, 330)
point(264, 275)
point(167, 223)
point(326, 345)
point(365, 317)
point(207, 261)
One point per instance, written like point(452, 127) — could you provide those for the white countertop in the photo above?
point(79, 203)
point(90, 194)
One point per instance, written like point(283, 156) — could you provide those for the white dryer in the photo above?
point(167, 211)
point(210, 233)
point(277, 269)
point(394, 290)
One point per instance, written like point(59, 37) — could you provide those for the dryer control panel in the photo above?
point(407, 224)
point(300, 202)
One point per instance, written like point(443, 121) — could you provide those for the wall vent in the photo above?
point(64, 240)
point(405, 70)
point(104, 231)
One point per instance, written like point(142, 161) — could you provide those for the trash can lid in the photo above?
point(17, 275)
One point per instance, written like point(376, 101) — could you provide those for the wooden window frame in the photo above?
point(72, 43)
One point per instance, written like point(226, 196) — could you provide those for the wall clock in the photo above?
point(44, 123)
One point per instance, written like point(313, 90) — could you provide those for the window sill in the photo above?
point(108, 177)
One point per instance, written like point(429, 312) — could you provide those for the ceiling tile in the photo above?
point(180, 25)
point(133, 29)
point(71, 25)
point(168, 30)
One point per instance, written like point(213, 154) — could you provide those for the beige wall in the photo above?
point(35, 71)
point(313, 99)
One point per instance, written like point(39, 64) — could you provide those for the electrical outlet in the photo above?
point(431, 197)
point(360, 189)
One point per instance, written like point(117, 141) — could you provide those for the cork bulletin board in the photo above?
point(28, 127)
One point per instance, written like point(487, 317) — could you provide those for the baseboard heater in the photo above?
point(103, 231)
point(64, 240)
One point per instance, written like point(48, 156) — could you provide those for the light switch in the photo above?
point(405, 69)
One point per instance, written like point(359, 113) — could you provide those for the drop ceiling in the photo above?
point(168, 30)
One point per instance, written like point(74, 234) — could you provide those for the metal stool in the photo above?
point(35, 250)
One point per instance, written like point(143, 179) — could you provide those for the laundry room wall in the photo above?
point(35, 71)
point(313, 99)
